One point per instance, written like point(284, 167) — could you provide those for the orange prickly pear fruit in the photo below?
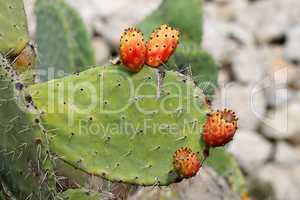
point(132, 49)
point(186, 163)
point(220, 128)
point(161, 46)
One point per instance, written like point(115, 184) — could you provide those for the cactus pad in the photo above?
point(197, 64)
point(81, 194)
point(62, 41)
point(127, 135)
point(13, 29)
point(20, 168)
point(184, 15)
point(226, 166)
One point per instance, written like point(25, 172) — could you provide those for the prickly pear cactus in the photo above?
point(103, 122)
point(81, 194)
point(189, 59)
point(199, 65)
point(21, 156)
point(65, 47)
point(185, 15)
point(127, 135)
point(226, 166)
point(13, 29)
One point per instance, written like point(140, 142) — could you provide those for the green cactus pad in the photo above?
point(199, 65)
point(13, 28)
point(127, 135)
point(63, 43)
point(81, 194)
point(19, 153)
point(184, 15)
point(226, 165)
point(84, 55)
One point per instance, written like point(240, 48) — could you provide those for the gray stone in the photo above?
point(249, 65)
point(283, 122)
point(295, 172)
point(293, 77)
point(225, 9)
point(110, 18)
point(223, 39)
point(206, 185)
point(292, 49)
point(270, 19)
point(31, 20)
point(276, 86)
point(102, 50)
point(281, 75)
point(250, 149)
point(286, 154)
point(223, 77)
point(247, 101)
point(216, 41)
point(281, 180)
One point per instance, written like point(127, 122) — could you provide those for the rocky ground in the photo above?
point(257, 46)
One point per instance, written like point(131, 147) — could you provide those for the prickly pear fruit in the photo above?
point(161, 46)
point(25, 60)
point(220, 128)
point(132, 49)
point(186, 163)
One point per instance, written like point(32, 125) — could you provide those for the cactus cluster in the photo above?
point(106, 121)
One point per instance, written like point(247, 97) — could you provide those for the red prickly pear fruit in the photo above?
point(220, 128)
point(132, 49)
point(186, 163)
point(161, 46)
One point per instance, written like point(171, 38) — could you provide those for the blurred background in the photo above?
point(256, 44)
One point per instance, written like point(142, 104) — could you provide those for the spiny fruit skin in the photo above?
point(220, 128)
point(132, 49)
point(186, 163)
point(161, 46)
